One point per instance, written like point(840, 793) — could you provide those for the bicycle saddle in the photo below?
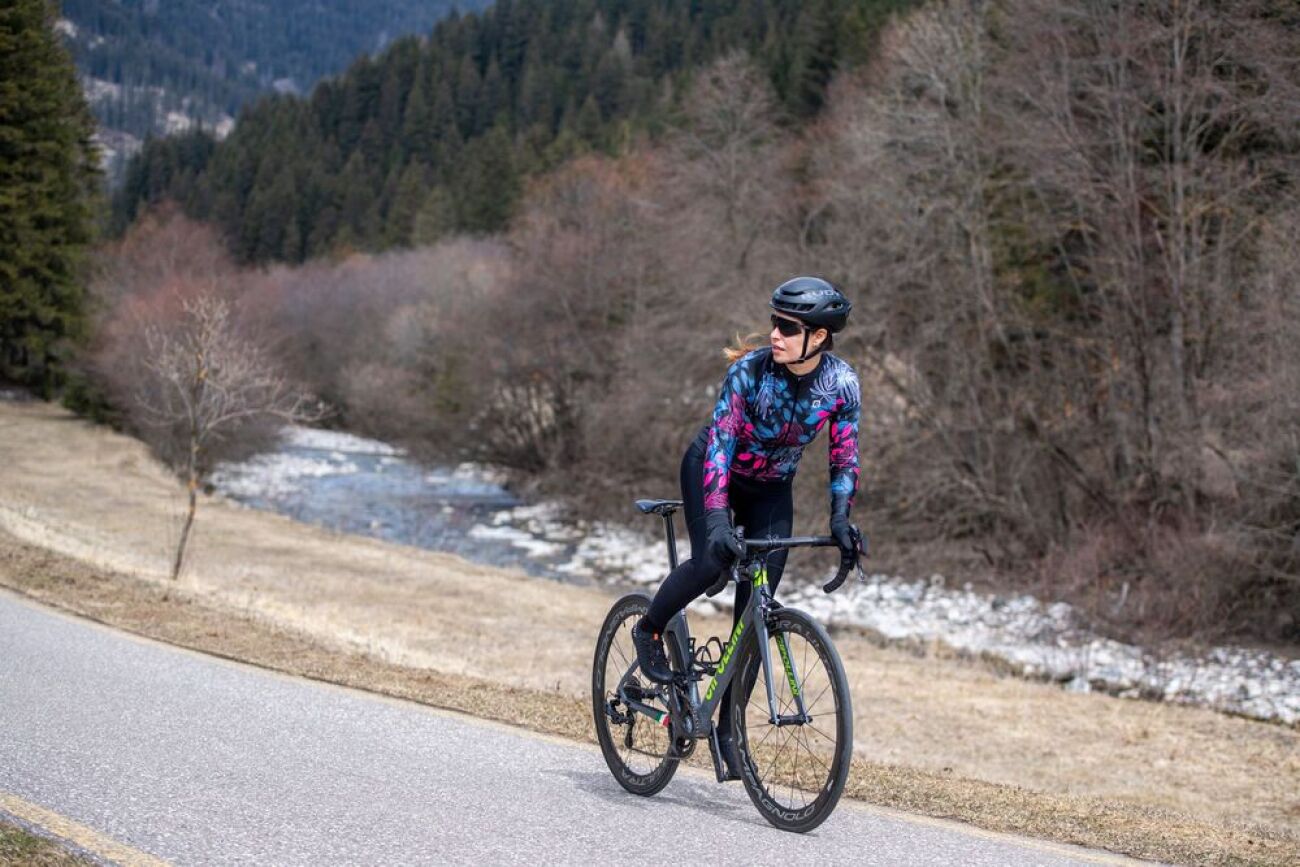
point(659, 507)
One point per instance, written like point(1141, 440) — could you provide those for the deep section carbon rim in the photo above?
point(795, 771)
point(634, 745)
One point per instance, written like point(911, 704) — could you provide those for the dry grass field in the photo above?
point(87, 518)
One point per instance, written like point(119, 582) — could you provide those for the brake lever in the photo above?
point(849, 562)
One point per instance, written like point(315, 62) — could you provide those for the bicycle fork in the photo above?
point(791, 673)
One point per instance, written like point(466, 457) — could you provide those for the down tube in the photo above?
point(726, 671)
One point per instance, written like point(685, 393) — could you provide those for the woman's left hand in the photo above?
point(847, 536)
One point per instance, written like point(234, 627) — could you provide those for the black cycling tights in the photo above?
point(762, 508)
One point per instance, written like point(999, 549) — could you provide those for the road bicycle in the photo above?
point(794, 736)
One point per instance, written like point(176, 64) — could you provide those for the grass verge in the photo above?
point(18, 847)
point(137, 606)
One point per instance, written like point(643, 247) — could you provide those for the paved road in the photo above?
point(195, 760)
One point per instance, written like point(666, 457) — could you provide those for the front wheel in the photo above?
point(794, 772)
point(636, 747)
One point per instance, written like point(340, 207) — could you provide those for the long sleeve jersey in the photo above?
point(764, 417)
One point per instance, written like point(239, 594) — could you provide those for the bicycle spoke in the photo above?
point(810, 704)
point(794, 776)
point(627, 663)
point(780, 751)
point(815, 757)
point(820, 732)
point(766, 735)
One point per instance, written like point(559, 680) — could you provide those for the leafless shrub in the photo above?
point(393, 340)
point(197, 383)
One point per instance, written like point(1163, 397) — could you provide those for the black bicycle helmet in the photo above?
point(814, 301)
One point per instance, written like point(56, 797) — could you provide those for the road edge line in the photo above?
point(83, 836)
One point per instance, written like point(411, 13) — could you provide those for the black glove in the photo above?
point(723, 544)
point(843, 532)
point(846, 535)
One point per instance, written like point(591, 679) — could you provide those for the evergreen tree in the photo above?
point(417, 125)
point(48, 176)
point(404, 209)
point(542, 80)
point(813, 58)
point(436, 217)
point(487, 186)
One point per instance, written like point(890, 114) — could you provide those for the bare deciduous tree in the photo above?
point(728, 154)
point(199, 383)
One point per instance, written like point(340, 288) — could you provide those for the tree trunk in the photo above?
point(192, 485)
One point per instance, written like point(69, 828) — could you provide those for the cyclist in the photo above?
point(774, 400)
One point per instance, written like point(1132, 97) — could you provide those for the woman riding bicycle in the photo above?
point(773, 402)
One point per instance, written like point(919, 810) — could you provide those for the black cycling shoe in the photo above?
point(731, 761)
point(650, 653)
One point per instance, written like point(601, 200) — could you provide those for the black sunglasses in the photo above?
point(787, 327)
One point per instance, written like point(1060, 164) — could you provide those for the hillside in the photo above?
point(429, 138)
point(152, 68)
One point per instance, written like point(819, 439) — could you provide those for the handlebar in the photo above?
point(848, 560)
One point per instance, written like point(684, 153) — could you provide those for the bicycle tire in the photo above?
point(636, 751)
point(771, 757)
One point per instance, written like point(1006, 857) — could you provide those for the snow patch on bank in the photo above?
point(600, 549)
point(276, 475)
point(1050, 641)
point(334, 441)
point(531, 545)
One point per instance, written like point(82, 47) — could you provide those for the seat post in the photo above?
point(672, 540)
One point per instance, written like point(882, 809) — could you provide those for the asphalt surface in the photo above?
point(196, 760)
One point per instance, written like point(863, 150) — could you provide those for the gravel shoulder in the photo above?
point(86, 519)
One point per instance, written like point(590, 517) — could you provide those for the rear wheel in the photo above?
point(635, 747)
point(795, 772)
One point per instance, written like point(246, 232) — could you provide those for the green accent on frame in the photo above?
point(783, 646)
point(726, 659)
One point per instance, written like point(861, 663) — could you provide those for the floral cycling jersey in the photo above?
point(765, 416)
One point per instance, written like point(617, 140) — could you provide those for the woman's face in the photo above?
point(786, 350)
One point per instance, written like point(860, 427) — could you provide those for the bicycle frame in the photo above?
point(697, 719)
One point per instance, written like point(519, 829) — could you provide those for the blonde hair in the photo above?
point(743, 346)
